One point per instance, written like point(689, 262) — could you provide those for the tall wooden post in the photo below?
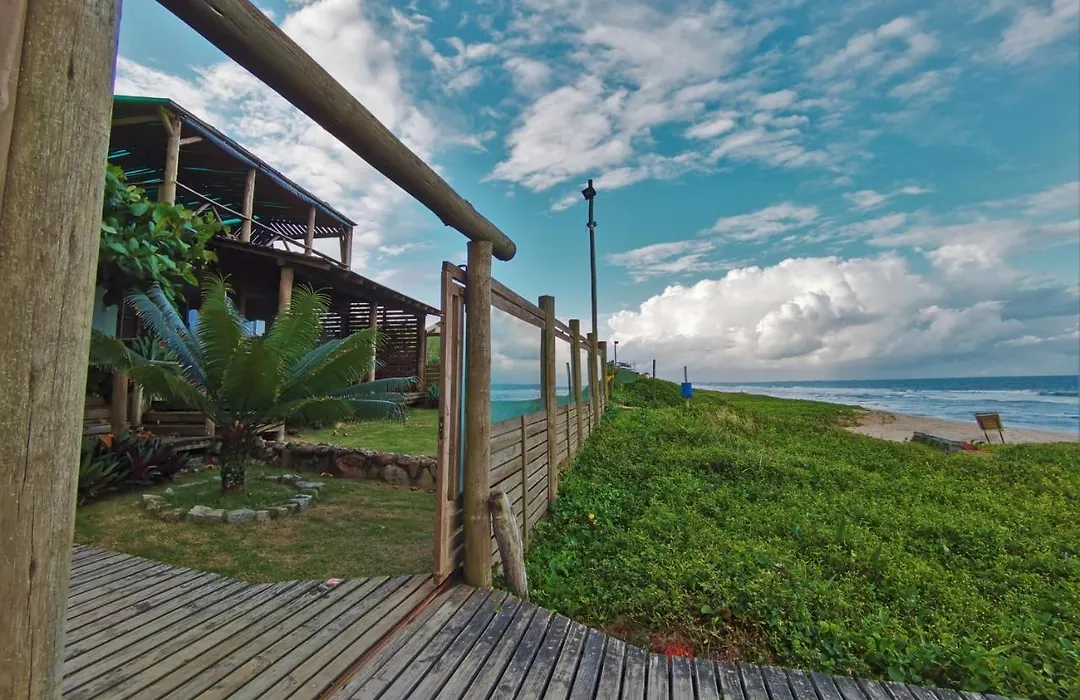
point(601, 360)
point(575, 374)
point(57, 59)
point(478, 415)
point(346, 248)
point(167, 193)
point(248, 206)
point(594, 386)
point(309, 232)
point(285, 285)
point(421, 350)
point(119, 406)
point(373, 324)
point(547, 388)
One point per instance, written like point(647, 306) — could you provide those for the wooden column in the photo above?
point(421, 350)
point(119, 405)
point(594, 389)
point(373, 324)
point(601, 359)
point(478, 415)
point(57, 59)
point(248, 206)
point(285, 285)
point(172, 123)
point(575, 376)
point(346, 248)
point(309, 233)
point(547, 389)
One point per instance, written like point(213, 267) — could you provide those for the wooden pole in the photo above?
point(57, 59)
point(477, 415)
point(511, 549)
point(248, 206)
point(250, 38)
point(167, 193)
point(547, 387)
point(373, 324)
point(309, 232)
point(421, 349)
point(575, 373)
point(594, 384)
point(119, 405)
point(601, 360)
point(346, 248)
point(285, 285)
point(654, 368)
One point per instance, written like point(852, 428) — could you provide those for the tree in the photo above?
point(247, 385)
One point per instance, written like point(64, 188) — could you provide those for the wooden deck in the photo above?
point(141, 629)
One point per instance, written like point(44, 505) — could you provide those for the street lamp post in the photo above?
point(590, 193)
point(616, 353)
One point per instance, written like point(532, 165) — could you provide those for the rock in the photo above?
point(402, 460)
point(170, 491)
point(310, 492)
point(349, 464)
point(395, 475)
point(171, 515)
point(302, 501)
point(309, 485)
point(262, 516)
point(154, 507)
point(414, 467)
point(291, 506)
point(278, 512)
point(240, 515)
point(289, 478)
point(426, 479)
point(203, 514)
point(149, 498)
point(385, 459)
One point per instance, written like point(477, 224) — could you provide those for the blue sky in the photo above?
point(787, 189)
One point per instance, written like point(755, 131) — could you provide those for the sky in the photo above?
point(786, 189)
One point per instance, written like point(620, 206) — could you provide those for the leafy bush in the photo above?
point(759, 531)
point(648, 393)
point(146, 243)
point(433, 395)
point(112, 464)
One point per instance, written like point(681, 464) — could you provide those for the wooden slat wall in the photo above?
point(400, 329)
point(96, 416)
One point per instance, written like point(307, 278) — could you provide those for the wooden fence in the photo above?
point(529, 452)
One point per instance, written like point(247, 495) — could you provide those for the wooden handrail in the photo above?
point(249, 37)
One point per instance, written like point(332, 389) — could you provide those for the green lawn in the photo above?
point(357, 528)
point(418, 435)
point(755, 529)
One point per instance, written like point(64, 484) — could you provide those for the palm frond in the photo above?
point(315, 409)
point(345, 364)
point(110, 353)
point(166, 381)
point(159, 315)
point(393, 385)
point(379, 410)
point(296, 330)
point(250, 382)
point(219, 331)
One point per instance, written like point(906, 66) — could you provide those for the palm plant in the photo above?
point(248, 385)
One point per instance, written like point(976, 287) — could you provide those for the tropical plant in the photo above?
point(99, 473)
point(249, 385)
point(433, 395)
point(114, 463)
point(146, 243)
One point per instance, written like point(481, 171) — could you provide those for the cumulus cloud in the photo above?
point(818, 317)
point(890, 49)
point(1035, 25)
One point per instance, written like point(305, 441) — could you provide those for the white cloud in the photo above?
point(667, 259)
point(776, 100)
point(892, 48)
point(765, 223)
point(776, 148)
point(820, 317)
point(718, 124)
point(1036, 25)
point(529, 74)
point(1062, 198)
point(864, 200)
point(931, 85)
point(462, 70)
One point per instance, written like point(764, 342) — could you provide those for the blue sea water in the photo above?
point(1043, 402)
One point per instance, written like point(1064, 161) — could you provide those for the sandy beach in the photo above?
point(898, 427)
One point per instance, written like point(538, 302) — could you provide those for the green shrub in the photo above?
point(113, 464)
point(760, 531)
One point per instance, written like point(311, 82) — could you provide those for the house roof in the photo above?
point(214, 166)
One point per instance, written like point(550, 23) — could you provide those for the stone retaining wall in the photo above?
point(343, 462)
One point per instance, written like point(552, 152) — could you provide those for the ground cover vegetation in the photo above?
point(757, 529)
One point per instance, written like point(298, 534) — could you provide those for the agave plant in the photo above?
point(248, 385)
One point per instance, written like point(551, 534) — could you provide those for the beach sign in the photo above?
point(687, 390)
point(990, 421)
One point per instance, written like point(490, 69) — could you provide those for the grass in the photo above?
point(755, 529)
point(418, 435)
point(205, 490)
point(357, 528)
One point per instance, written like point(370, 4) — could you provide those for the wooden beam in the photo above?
point(248, 207)
point(141, 119)
point(547, 389)
point(57, 59)
point(285, 285)
point(478, 415)
point(190, 140)
point(575, 376)
point(373, 324)
point(346, 248)
point(119, 404)
point(309, 232)
point(511, 549)
point(167, 193)
point(250, 38)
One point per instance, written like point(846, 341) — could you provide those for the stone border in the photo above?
point(416, 471)
point(157, 506)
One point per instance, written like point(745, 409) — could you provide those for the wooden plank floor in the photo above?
point(473, 643)
point(140, 629)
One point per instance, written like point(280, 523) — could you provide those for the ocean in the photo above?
point(1042, 403)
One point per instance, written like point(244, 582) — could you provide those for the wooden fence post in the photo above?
point(248, 206)
point(373, 324)
point(601, 358)
point(478, 415)
point(167, 193)
point(547, 386)
point(575, 373)
point(309, 232)
point(594, 386)
point(57, 59)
